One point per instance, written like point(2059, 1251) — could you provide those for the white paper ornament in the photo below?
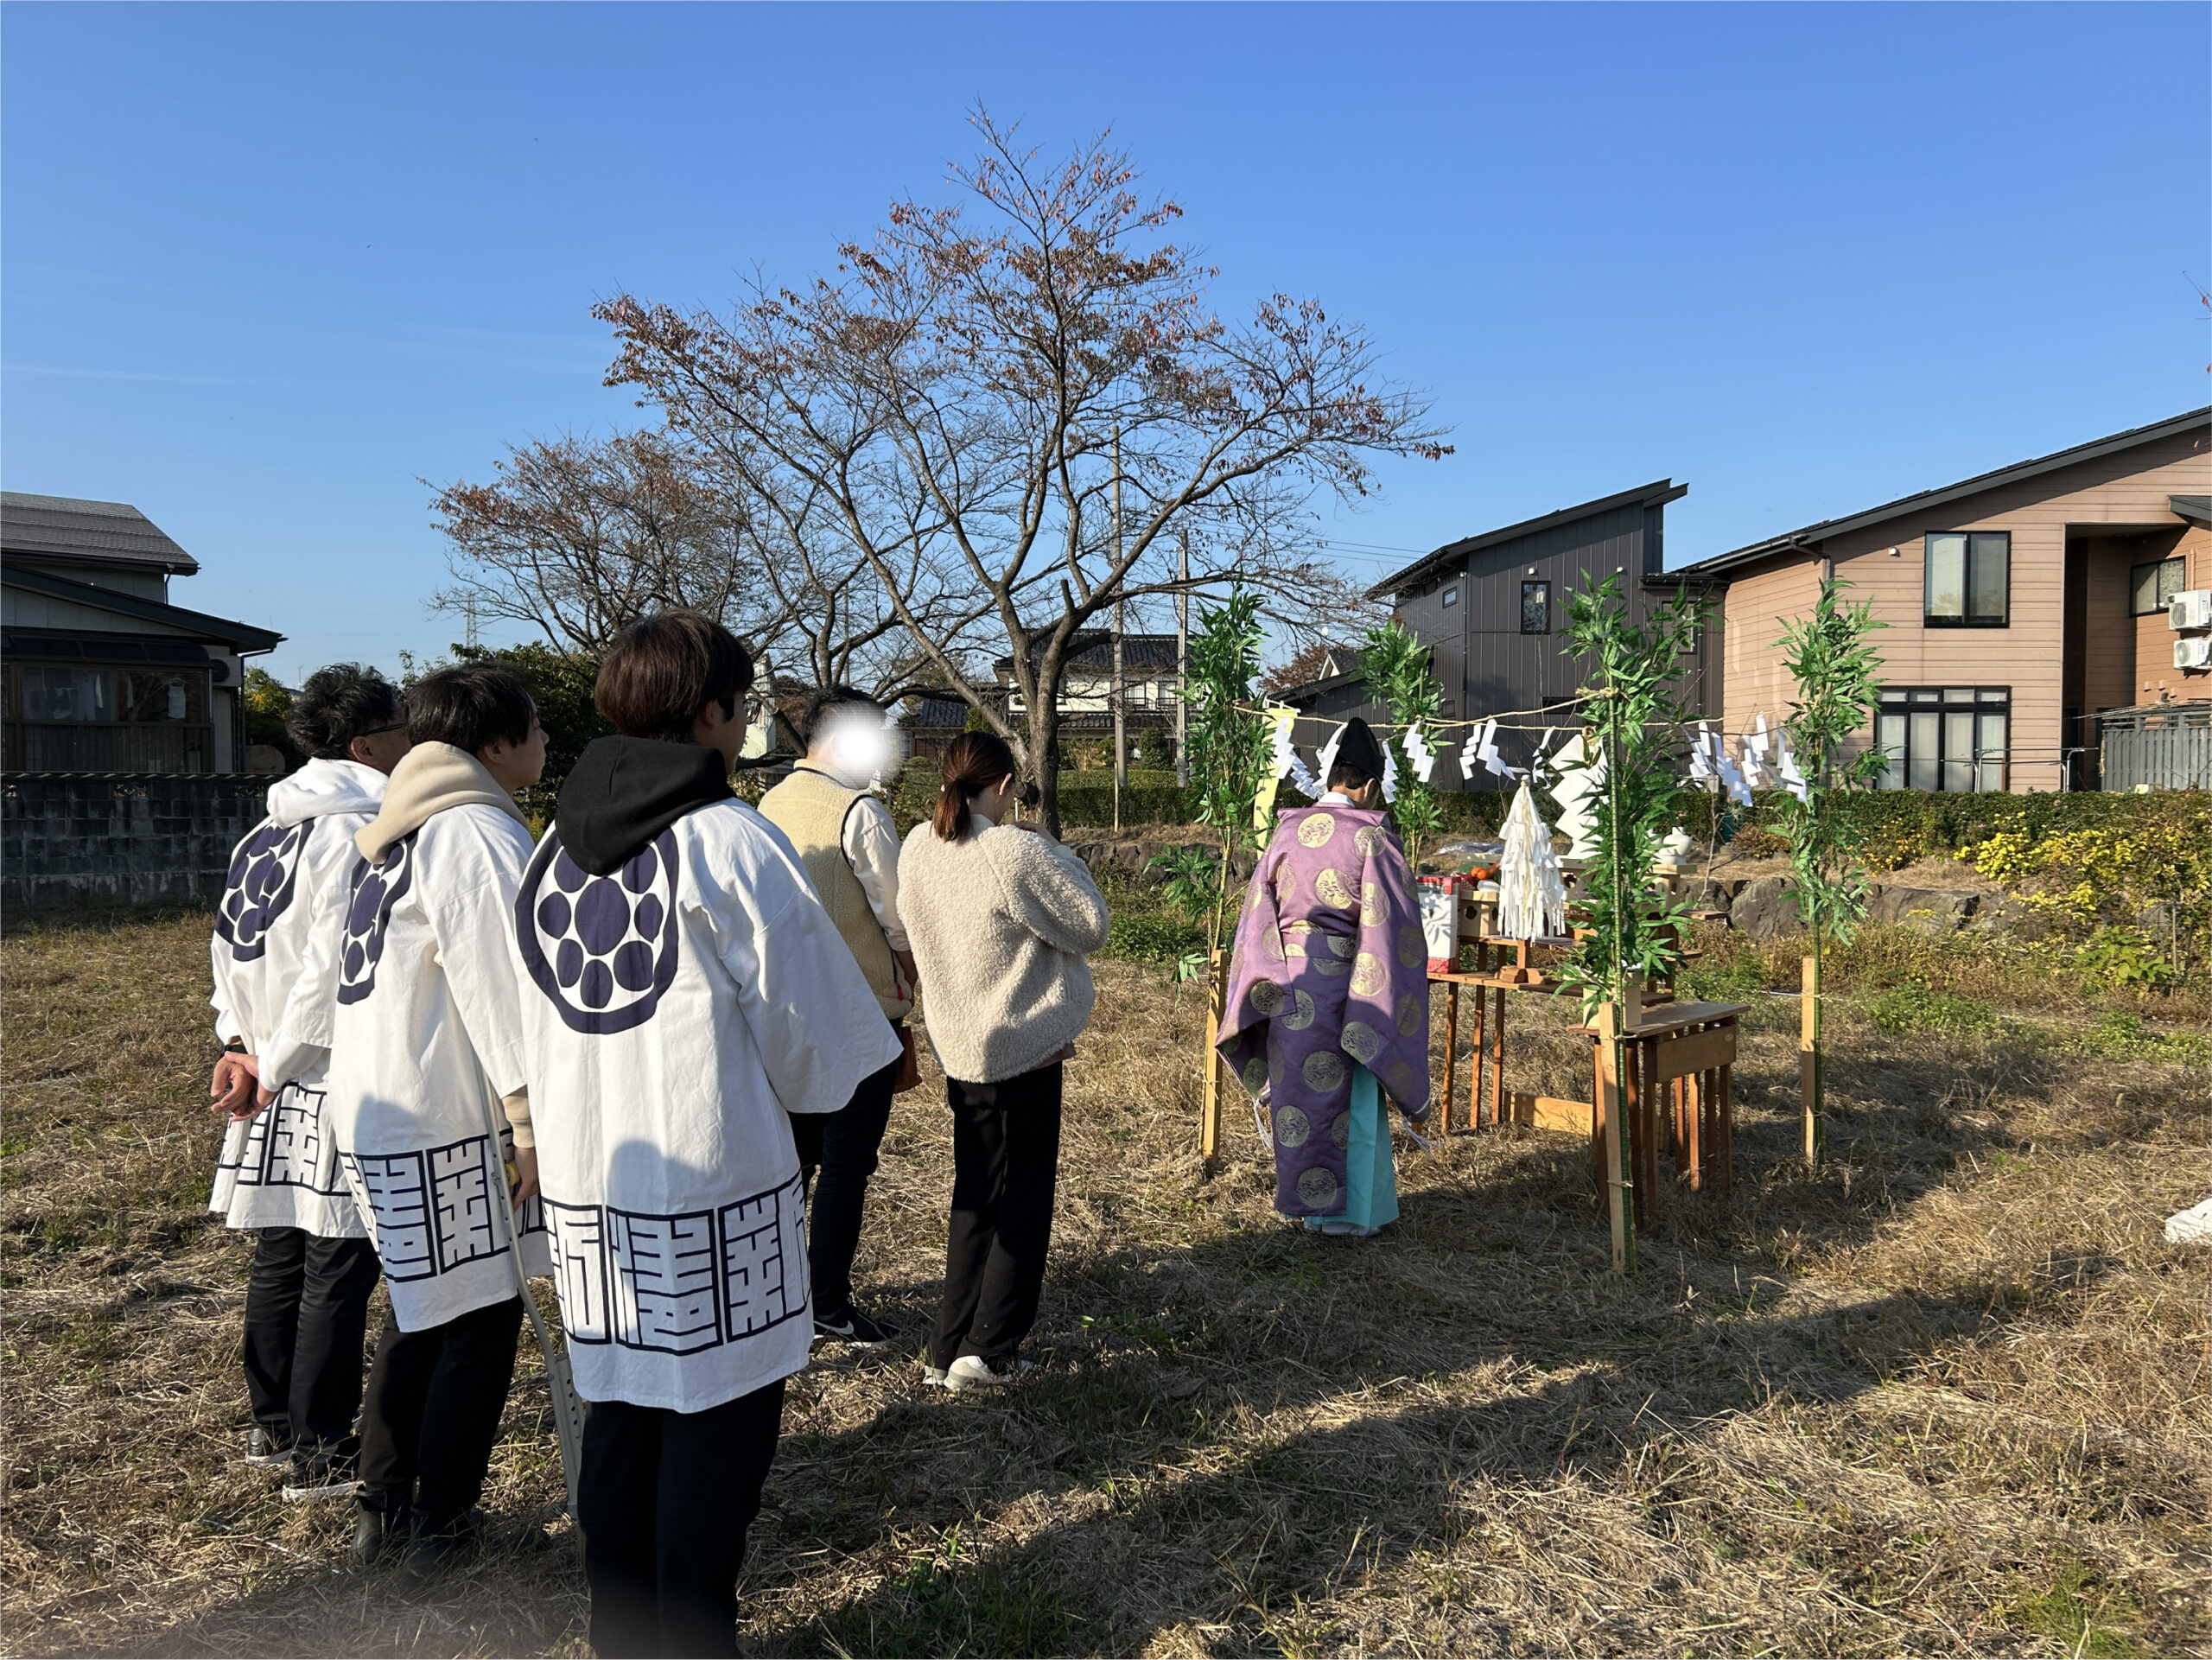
point(1531, 895)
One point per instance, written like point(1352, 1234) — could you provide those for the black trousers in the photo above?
point(842, 1147)
point(432, 1411)
point(665, 1499)
point(306, 1314)
point(1005, 1157)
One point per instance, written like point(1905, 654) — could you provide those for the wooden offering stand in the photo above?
point(1681, 1052)
point(1492, 975)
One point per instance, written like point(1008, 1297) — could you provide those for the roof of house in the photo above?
point(2196, 508)
point(1141, 653)
point(1308, 691)
point(1801, 540)
point(97, 532)
point(1658, 492)
point(239, 636)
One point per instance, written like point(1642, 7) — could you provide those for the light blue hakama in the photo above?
point(1371, 1183)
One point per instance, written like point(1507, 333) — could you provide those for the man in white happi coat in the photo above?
point(307, 1300)
point(688, 995)
point(415, 997)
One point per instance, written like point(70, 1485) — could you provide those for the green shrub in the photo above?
point(1152, 936)
point(1916, 1008)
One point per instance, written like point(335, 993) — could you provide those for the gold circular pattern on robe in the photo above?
point(1362, 1042)
point(1292, 1126)
point(1271, 945)
point(1324, 1071)
point(1331, 966)
point(1330, 889)
point(1412, 945)
point(1317, 1189)
point(1370, 896)
point(1341, 1130)
point(1286, 885)
point(1409, 1013)
point(1315, 830)
point(1255, 1074)
point(1343, 944)
point(1404, 1085)
point(1267, 998)
point(1301, 1011)
point(1371, 840)
point(1367, 973)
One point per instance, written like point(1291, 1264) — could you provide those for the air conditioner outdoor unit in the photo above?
point(2190, 608)
point(2193, 653)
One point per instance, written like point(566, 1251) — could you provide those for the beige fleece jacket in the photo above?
point(430, 778)
point(1000, 922)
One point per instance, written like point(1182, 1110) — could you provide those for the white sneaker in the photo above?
point(972, 1371)
point(933, 1377)
point(1339, 1229)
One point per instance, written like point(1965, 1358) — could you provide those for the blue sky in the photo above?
point(266, 267)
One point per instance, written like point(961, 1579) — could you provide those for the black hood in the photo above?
point(624, 792)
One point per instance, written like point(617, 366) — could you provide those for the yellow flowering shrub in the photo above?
point(2131, 892)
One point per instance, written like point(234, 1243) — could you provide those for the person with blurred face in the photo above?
point(307, 1299)
point(688, 1003)
point(845, 837)
point(410, 1003)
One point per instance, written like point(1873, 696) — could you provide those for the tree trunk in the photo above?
point(1044, 759)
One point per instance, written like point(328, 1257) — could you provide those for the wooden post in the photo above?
point(1210, 1064)
point(1620, 1201)
point(1808, 1057)
point(1452, 1046)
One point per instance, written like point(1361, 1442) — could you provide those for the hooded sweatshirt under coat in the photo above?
point(685, 992)
point(279, 1168)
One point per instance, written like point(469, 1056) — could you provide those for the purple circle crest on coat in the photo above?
point(259, 887)
point(602, 948)
point(376, 888)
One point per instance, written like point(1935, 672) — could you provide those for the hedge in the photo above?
point(1902, 825)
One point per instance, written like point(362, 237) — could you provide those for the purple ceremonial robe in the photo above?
point(1329, 968)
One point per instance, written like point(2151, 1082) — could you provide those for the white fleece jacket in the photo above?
point(1000, 922)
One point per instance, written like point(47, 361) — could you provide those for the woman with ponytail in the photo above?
point(1000, 918)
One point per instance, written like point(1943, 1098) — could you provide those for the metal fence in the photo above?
point(2156, 749)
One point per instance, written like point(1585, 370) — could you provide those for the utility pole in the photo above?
point(1121, 719)
point(1183, 665)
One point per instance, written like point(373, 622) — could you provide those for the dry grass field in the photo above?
point(1951, 1395)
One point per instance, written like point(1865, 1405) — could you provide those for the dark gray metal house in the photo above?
point(1493, 606)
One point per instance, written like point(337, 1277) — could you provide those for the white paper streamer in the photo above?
point(1576, 791)
point(1325, 761)
point(1418, 752)
point(1390, 775)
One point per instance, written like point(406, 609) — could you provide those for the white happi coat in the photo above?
point(676, 1013)
point(413, 992)
point(279, 1168)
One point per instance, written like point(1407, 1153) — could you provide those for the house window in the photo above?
point(1953, 738)
point(1969, 579)
point(2149, 587)
point(1451, 595)
point(62, 694)
point(1535, 608)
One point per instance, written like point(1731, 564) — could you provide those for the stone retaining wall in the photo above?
point(120, 838)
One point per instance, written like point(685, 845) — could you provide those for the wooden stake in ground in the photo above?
point(1612, 1106)
point(1808, 1055)
point(1210, 1063)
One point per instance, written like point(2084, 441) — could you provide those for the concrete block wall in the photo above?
point(70, 839)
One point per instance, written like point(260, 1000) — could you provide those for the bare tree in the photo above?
point(968, 401)
point(575, 537)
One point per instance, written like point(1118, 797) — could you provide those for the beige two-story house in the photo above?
point(2022, 604)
